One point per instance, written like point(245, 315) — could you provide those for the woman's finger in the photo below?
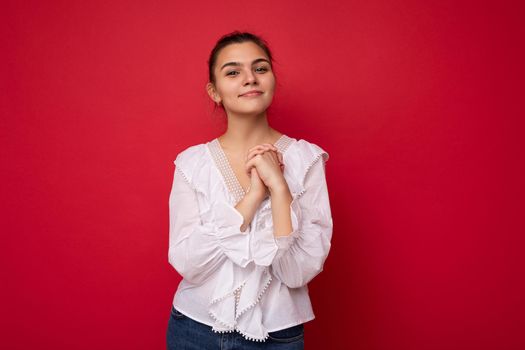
point(280, 156)
point(258, 147)
point(265, 146)
point(248, 166)
point(254, 153)
point(253, 149)
point(257, 151)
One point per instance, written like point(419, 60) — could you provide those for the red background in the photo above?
point(419, 104)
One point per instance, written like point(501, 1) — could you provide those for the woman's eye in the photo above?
point(259, 69)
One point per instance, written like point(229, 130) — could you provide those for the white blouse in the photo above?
point(251, 281)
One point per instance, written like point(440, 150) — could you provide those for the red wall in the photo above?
point(419, 103)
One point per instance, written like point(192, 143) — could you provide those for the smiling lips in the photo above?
point(251, 93)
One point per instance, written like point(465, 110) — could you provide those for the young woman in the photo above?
point(250, 219)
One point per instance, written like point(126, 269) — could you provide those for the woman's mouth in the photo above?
point(252, 94)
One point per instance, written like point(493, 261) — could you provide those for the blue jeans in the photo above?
point(185, 333)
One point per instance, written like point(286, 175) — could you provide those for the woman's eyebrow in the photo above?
point(239, 64)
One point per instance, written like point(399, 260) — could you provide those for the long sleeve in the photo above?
point(197, 249)
point(297, 258)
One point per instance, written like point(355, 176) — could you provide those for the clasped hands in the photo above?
point(264, 164)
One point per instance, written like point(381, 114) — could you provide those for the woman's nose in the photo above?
point(250, 77)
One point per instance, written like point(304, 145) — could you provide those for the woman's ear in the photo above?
point(213, 93)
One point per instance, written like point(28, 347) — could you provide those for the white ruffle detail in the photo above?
point(235, 302)
point(263, 247)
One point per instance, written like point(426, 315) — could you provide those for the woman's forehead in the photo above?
point(241, 52)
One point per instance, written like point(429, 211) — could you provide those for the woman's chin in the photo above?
point(251, 110)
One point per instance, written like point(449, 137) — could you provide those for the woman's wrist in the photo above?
point(247, 207)
point(280, 188)
point(255, 197)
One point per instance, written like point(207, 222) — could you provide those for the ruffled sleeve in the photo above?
point(197, 249)
point(298, 257)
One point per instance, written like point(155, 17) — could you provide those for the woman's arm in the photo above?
point(298, 251)
point(281, 199)
point(197, 249)
point(247, 206)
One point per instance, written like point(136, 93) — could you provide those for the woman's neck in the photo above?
point(244, 134)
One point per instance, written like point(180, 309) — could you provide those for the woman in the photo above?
point(250, 219)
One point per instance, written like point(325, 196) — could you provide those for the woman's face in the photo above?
point(241, 68)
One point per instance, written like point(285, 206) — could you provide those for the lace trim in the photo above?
point(246, 336)
point(265, 286)
point(233, 292)
point(319, 155)
point(187, 180)
point(236, 293)
point(228, 175)
point(180, 167)
point(216, 300)
point(226, 170)
point(283, 143)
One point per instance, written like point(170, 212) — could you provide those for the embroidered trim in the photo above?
point(187, 180)
point(228, 175)
point(247, 337)
point(226, 170)
point(180, 162)
point(283, 143)
point(236, 293)
point(319, 155)
point(216, 300)
point(266, 285)
point(223, 331)
point(232, 293)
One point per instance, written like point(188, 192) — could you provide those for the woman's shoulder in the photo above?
point(299, 160)
point(308, 151)
point(191, 153)
point(193, 163)
point(191, 159)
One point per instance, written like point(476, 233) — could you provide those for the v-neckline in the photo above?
point(225, 168)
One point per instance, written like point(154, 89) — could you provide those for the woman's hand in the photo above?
point(268, 164)
point(257, 187)
point(260, 149)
